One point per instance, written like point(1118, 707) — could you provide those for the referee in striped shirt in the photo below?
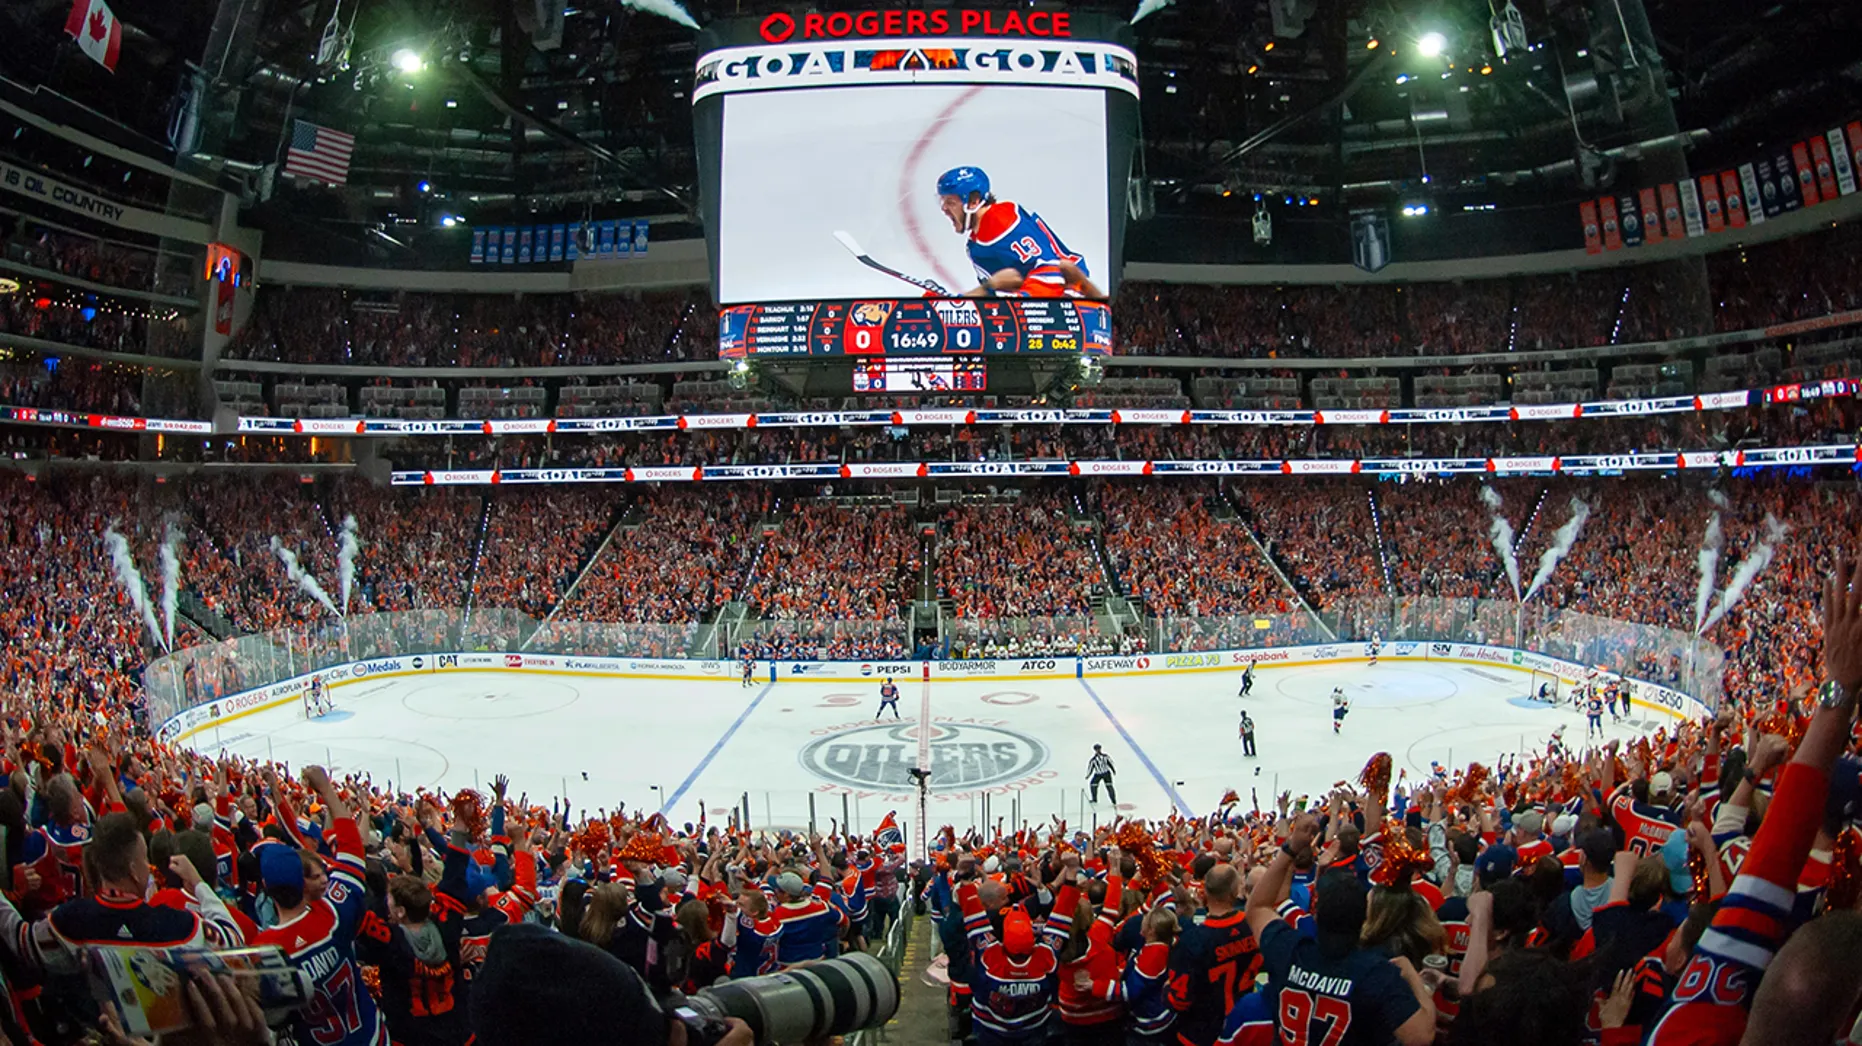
point(1099, 771)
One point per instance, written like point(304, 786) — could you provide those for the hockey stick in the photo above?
point(853, 247)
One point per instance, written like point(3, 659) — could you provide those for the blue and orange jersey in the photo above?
point(1008, 236)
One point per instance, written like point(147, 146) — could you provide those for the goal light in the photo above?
point(408, 61)
point(1432, 44)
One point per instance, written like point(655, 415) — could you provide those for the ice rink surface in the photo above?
point(674, 745)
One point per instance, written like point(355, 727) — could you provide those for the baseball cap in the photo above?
point(1563, 824)
point(1599, 848)
point(1018, 932)
point(203, 816)
point(1529, 822)
point(1496, 862)
point(791, 884)
point(279, 865)
point(1661, 784)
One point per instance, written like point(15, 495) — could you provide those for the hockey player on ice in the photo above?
point(1340, 706)
point(1012, 248)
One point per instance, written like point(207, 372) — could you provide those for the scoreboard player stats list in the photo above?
point(915, 327)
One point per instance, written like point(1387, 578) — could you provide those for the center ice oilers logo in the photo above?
point(964, 756)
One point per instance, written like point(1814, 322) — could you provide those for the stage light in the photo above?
point(1268, 46)
point(1403, 79)
point(426, 186)
point(1415, 210)
point(408, 62)
point(1371, 45)
point(1432, 44)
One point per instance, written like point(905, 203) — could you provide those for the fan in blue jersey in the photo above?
point(1012, 248)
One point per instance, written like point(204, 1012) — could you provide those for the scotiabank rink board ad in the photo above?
point(894, 153)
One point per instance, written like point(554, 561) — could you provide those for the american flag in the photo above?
point(320, 153)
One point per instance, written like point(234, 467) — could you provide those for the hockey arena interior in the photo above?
point(1042, 523)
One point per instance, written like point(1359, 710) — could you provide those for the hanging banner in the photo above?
point(640, 236)
point(478, 246)
point(1735, 199)
point(1593, 233)
point(1630, 219)
point(1839, 156)
point(1690, 209)
point(1710, 195)
point(572, 251)
point(1790, 190)
point(509, 253)
point(559, 233)
point(1672, 227)
point(1755, 204)
point(523, 245)
point(1651, 217)
point(1612, 236)
point(605, 240)
point(1825, 170)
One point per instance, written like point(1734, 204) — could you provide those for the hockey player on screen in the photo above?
point(1012, 248)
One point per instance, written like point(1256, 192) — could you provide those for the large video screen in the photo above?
point(810, 175)
point(828, 165)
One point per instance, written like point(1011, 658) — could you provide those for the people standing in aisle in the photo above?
point(1099, 770)
point(1247, 735)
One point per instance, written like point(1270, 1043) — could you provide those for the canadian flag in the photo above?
point(94, 26)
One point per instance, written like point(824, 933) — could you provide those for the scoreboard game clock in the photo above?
point(915, 327)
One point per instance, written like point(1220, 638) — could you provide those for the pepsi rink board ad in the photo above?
point(886, 155)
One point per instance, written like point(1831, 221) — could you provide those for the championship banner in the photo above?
point(1755, 205)
point(1690, 208)
point(1807, 187)
point(508, 256)
point(478, 246)
point(1630, 219)
point(1593, 233)
point(1672, 228)
point(1710, 195)
point(1825, 170)
point(1735, 199)
point(1651, 217)
point(1790, 190)
point(1612, 236)
point(524, 240)
point(1841, 158)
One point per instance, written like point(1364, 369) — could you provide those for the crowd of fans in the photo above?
point(106, 262)
point(1022, 558)
point(445, 330)
point(1551, 900)
point(110, 329)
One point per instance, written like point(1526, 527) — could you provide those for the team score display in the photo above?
point(915, 327)
point(1307, 1019)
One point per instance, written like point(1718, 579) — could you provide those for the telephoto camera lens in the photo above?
point(825, 998)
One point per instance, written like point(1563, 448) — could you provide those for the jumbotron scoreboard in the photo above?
point(828, 151)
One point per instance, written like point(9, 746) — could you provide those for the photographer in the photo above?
point(539, 986)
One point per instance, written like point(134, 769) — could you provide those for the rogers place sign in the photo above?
point(781, 27)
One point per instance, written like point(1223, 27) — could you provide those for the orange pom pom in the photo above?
point(1229, 798)
point(1403, 861)
point(593, 841)
point(1845, 886)
point(1135, 839)
point(468, 807)
point(641, 846)
point(1697, 872)
point(1375, 777)
point(1468, 792)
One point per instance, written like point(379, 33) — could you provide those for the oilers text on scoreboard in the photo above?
point(915, 327)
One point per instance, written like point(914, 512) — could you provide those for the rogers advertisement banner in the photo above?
point(1576, 464)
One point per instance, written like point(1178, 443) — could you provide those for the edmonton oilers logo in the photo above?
point(964, 756)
